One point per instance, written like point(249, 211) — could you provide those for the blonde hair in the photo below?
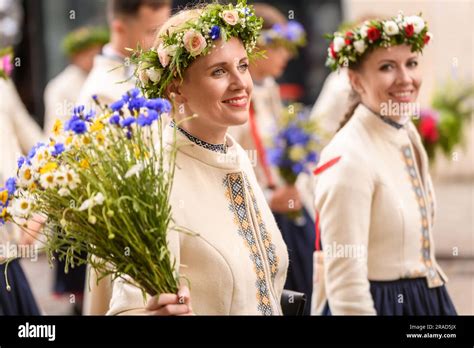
point(175, 22)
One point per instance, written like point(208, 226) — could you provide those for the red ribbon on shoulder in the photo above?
point(317, 171)
point(257, 139)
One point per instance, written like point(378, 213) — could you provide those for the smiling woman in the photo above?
point(373, 189)
point(235, 259)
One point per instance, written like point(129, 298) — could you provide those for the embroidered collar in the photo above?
point(391, 122)
point(388, 120)
point(221, 148)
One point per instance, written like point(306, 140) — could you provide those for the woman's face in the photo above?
point(217, 87)
point(388, 76)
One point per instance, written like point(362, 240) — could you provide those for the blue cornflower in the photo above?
point(136, 103)
point(278, 28)
point(144, 121)
point(78, 109)
point(67, 126)
point(20, 162)
point(246, 11)
point(33, 150)
point(58, 149)
point(296, 135)
point(312, 157)
point(215, 32)
point(129, 135)
point(89, 115)
point(297, 168)
point(117, 106)
point(275, 156)
point(114, 119)
point(294, 31)
point(133, 93)
point(10, 185)
point(127, 122)
point(78, 126)
point(153, 115)
point(159, 104)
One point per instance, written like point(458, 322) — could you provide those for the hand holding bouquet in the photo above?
point(103, 184)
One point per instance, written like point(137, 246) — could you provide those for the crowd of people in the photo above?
point(369, 191)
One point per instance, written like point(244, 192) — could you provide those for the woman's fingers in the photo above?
point(172, 309)
point(184, 296)
point(156, 302)
point(171, 304)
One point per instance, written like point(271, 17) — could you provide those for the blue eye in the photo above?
point(218, 72)
point(243, 67)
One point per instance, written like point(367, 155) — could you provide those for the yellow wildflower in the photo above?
point(48, 167)
point(57, 127)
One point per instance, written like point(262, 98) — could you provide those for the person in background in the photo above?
point(132, 23)
point(61, 93)
point(374, 193)
point(280, 39)
point(335, 96)
point(18, 134)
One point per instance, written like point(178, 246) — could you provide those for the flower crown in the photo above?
point(346, 48)
point(83, 38)
point(6, 66)
point(292, 36)
point(157, 67)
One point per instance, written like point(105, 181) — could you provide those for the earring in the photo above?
point(172, 95)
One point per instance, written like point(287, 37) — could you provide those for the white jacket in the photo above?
point(376, 211)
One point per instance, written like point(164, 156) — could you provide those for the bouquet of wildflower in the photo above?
point(103, 184)
point(442, 127)
point(295, 143)
point(6, 66)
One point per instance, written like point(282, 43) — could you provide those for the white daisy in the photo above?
point(72, 179)
point(25, 176)
point(47, 180)
point(21, 207)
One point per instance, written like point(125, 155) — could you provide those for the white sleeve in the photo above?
point(343, 199)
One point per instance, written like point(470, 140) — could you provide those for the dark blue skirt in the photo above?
point(71, 283)
point(300, 242)
point(416, 298)
point(19, 300)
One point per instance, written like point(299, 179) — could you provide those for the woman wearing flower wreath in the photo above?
point(374, 194)
point(237, 262)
